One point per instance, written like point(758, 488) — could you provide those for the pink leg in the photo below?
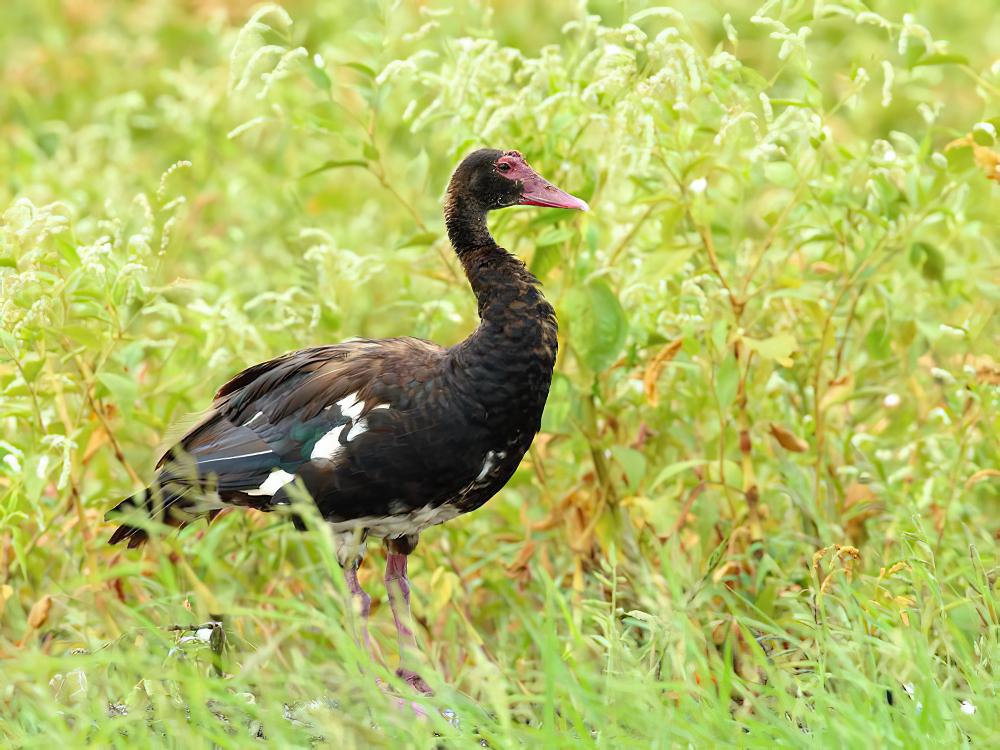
point(362, 602)
point(398, 587)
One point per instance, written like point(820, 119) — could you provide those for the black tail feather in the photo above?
point(159, 505)
point(139, 503)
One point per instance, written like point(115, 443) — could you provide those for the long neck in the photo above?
point(516, 339)
point(504, 288)
point(466, 223)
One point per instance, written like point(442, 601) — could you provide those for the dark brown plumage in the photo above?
point(387, 437)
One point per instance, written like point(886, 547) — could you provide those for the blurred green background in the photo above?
point(765, 494)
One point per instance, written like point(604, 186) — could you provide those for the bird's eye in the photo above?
point(503, 166)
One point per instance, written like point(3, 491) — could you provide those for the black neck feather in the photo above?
point(466, 223)
point(508, 360)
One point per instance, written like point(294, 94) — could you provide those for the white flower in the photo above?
point(891, 401)
point(939, 374)
point(952, 331)
point(968, 708)
point(699, 185)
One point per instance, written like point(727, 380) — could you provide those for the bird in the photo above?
point(386, 437)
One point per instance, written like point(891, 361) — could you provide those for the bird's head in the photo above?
point(491, 179)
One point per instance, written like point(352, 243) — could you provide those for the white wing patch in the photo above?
point(274, 482)
point(250, 422)
point(489, 462)
point(351, 406)
point(328, 446)
point(356, 429)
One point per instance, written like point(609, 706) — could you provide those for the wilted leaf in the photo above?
point(39, 613)
point(518, 568)
point(651, 376)
point(988, 372)
point(986, 158)
point(788, 439)
point(980, 475)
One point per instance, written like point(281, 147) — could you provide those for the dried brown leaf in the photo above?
point(39, 613)
point(98, 439)
point(980, 475)
point(655, 368)
point(519, 567)
point(986, 158)
point(788, 439)
point(988, 373)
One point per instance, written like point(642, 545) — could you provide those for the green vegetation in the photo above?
point(766, 492)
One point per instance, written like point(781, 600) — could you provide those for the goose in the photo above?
point(387, 437)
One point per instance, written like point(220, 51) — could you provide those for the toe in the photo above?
point(414, 680)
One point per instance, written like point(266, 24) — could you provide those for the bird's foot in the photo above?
point(400, 703)
point(414, 680)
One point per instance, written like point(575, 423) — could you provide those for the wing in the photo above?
point(296, 416)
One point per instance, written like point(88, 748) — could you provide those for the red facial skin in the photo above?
point(537, 190)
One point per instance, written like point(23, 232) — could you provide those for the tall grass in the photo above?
point(763, 508)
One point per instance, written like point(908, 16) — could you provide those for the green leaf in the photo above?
point(727, 380)
point(554, 237)
point(335, 164)
point(633, 463)
point(929, 260)
point(720, 334)
point(674, 469)
point(361, 68)
point(559, 415)
point(8, 342)
point(123, 390)
point(779, 347)
point(960, 158)
point(598, 325)
point(781, 173)
point(983, 133)
point(544, 260)
point(319, 77)
point(938, 58)
point(418, 239)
